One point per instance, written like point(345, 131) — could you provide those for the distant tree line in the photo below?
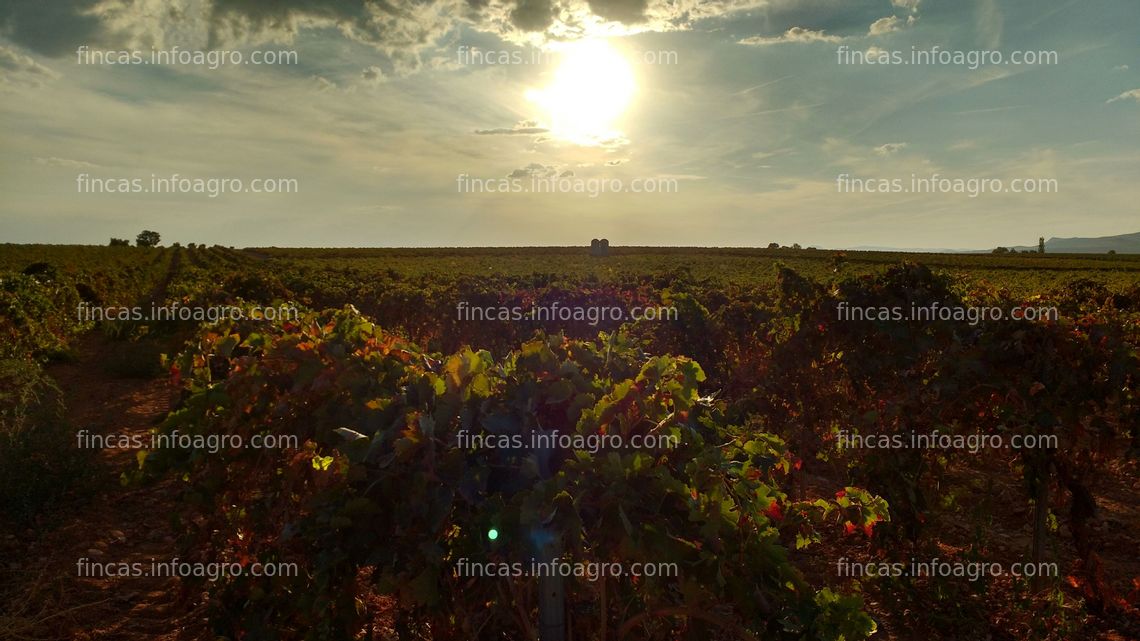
point(146, 238)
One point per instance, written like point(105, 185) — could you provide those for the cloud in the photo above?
point(52, 161)
point(795, 34)
point(18, 69)
point(51, 28)
point(764, 155)
point(389, 26)
point(401, 29)
point(523, 128)
point(1127, 95)
point(611, 143)
point(681, 177)
point(988, 24)
point(534, 170)
point(373, 75)
point(890, 148)
point(532, 15)
point(624, 11)
point(885, 25)
point(1120, 68)
point(406, 31)
point(911, 5)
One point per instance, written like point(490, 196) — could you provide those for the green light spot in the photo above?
point(492, 534)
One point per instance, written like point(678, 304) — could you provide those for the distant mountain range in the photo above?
point(1121, 244)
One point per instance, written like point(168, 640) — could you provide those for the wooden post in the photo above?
point(551, 592)
point(548, 549)
point(1040, 517)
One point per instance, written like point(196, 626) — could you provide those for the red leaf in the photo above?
point(774, 511)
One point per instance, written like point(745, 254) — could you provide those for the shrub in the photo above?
point(383, 487)
point(39, 460)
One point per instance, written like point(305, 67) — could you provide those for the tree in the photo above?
point(1001, 250)
point(147, 238)
point(796, 246)
point(1041, 245)
point(120, 242)
point(773, 245)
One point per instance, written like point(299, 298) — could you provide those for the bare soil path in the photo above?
point(62, 576)
point(68, 593)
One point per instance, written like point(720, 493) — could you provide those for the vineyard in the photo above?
point(768, 479)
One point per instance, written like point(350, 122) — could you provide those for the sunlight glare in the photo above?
point(590, 90)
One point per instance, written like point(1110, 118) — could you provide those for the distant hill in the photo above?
point(1122, 244)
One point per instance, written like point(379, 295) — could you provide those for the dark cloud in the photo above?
point(625, 11)
point(52, 28)
point(406, 31)
point(400, 28)
point(533, 15)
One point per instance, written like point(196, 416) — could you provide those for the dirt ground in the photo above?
point(57, 595)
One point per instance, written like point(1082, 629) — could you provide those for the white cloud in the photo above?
point(522, 128)
point(890, 148)
point(911, 5)
point(763, 155)
point(373, 75)
point(885, 25)
point(1127, 95)
point(988, 23)
point(52, 161)
point(795, 34)
point(18, 69)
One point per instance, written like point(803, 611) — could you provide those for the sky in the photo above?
point(552, 122)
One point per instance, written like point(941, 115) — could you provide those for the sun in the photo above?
point(590, 90)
